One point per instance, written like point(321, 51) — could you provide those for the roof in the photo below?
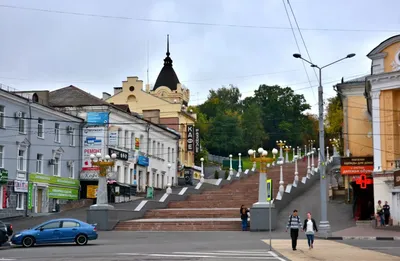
point(167, 76)
point(72, 96)
point(355, 80)
point(384, 44)
point(122, 107)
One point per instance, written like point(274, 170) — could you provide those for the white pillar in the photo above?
point(376, 130)
point(312, 158)
point(240, 163)
point(287, 155)
point(305, 150)
point(296, 173)
point(169, 189)
point(230, 165)
point(327, 155)
point(308, 165)
point(202, 170)
point(281, 187)
point(294, 154)
point(299, 152)
point(254, 163)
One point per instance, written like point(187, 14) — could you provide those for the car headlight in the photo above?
point(17, 235)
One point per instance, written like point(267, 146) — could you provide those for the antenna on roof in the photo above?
point(148, 61)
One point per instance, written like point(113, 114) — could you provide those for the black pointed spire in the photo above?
point(168, 60)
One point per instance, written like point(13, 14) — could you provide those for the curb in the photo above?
point(362, 238)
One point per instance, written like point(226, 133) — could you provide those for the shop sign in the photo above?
point(269, 190)
point(357, 165)
point(363, 181)
point(30, 191)
point(63, 193)
point(197, 141)
point(53, 180)
point(93, 143)
point(396, 176)
point(21, 186)
point(113, 138)
point(91, 191)
point(3, 176)
point(121, 155)
point(97, 118)
point(94, 175)
point(143, 161)
point(190, 138)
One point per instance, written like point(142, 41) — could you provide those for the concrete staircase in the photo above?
point(215, 210)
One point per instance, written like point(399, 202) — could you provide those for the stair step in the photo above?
point(193, 213)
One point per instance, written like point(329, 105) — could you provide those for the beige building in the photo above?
point(165, 103)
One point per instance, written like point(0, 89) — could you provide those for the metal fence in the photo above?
point(216, 159)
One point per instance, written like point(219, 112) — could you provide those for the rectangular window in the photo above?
point(158, 149)
point(20, 201)
point(162, 152)
point(72, 137)
point(169, 154)
point(2, 117)
point(1, 156)
point(56, 166)
point(21, 124)
point(126, 137)
point(72, 170)
point(132, 141)
point(39, 163)
point(57, 132)
point(173, 155)
point(40, 132)
point(119, 139)
point(154, 148)
point(21, 160)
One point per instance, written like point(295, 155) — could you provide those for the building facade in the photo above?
point(146, 151)
point(170, 99)
point(381, 125)
point(39, 156)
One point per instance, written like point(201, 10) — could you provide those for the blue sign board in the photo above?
point(143, 161)
point(97, 118)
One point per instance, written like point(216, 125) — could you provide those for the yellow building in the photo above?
point(372, 112)
point(165, 103)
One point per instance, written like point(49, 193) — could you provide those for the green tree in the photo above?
point(334, 116)
point(254, 135)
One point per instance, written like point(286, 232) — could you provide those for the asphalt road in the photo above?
point(207, 246)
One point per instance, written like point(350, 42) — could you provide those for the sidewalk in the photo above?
point(327, 250)
point(365, 232)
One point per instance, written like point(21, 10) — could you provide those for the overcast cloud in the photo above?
point(50, 50)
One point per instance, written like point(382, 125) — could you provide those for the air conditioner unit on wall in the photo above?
point(18, 114)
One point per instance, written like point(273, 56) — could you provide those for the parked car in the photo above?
point(6, 230)
point(57, 231)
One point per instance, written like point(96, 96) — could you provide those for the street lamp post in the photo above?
point(230, 166)
point(319, 157)
point(104, 165)
point(324, 223)
point(287, 149)
point(299, 152)
point(294, 154)
point(296, 172)
point(308, 165)
point(202, 170)
point(312, 160)
point(281, 144)
point(240, 163)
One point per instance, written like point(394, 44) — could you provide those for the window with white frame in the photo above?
point(173, 155)
point(2, 125)
point(21, 124)
point(141, 145)
point(72, 169)
point(57, 133)
point(119, 140)
point(20, 201)
point(39, 163)
point(56, 166)
point(40, 132)
point(169, 154)
point(21, 160)
point(162, 151)
point(72, 137)
point(154, 148)
point(132, 140)
point(1, 156)
point(126, 137)
point(158, 149)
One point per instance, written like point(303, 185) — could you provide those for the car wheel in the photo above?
point(28, 241)
point(81, 240)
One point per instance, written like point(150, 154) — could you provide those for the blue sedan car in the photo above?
point(57, 231)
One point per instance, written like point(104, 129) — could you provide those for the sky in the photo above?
point(96, 44)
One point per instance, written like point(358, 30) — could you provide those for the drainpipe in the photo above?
point(28, 158)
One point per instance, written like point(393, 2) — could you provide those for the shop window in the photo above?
point(20, 201)
point(40, 132)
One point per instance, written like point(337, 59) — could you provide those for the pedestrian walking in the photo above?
point(310, 227)
point(294, 224)
point(386, 213)
point(244, 215)
point(379, 212)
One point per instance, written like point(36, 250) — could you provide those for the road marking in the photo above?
point(164, 197)
point(171, 255)
point(198, 185)
point(183, 191)
point(7, 259)
point(141, 205)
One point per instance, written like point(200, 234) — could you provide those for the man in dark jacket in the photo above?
point(294, 224)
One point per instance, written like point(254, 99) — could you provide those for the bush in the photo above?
point(226, 174)
point(216, 174)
